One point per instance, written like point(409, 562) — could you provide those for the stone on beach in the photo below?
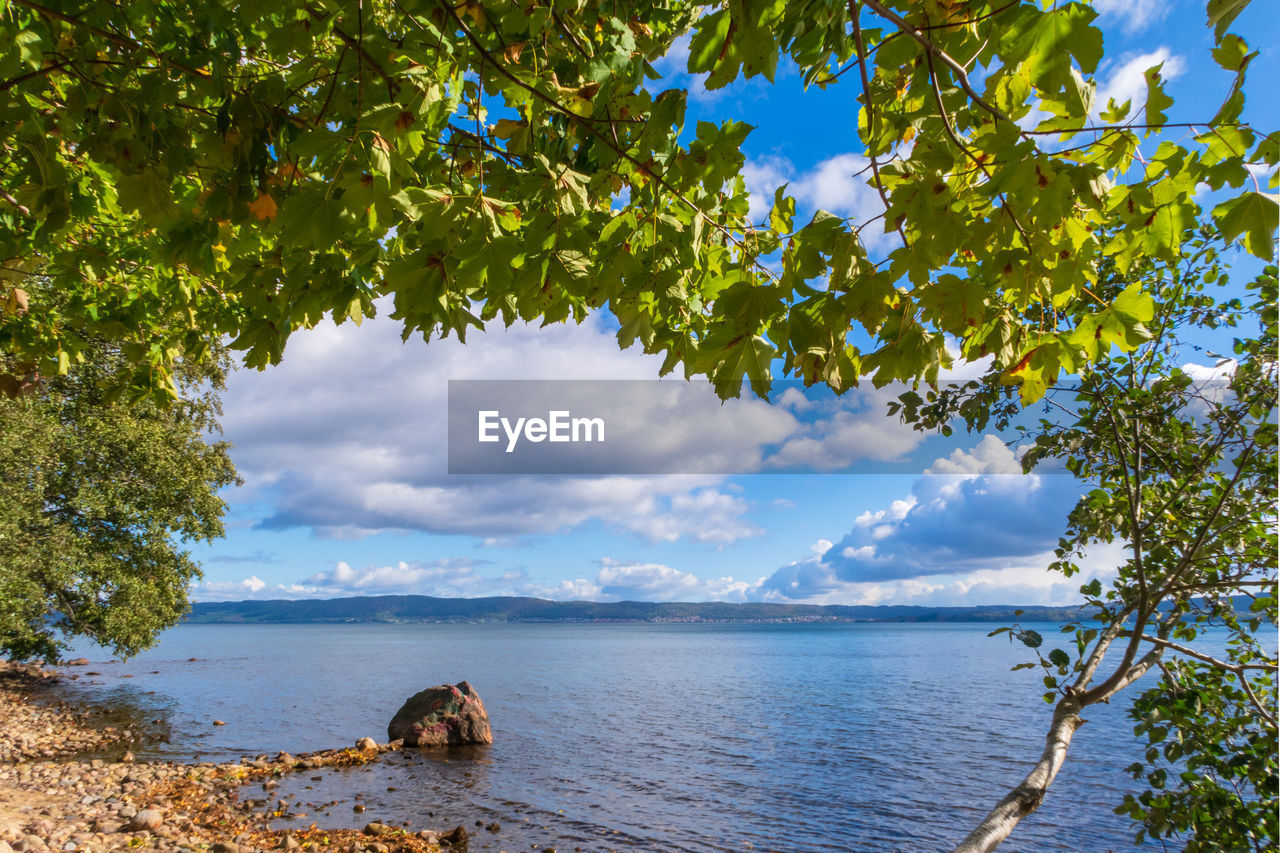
point(444, 715)
point(146, 819)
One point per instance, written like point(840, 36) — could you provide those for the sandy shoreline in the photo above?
point(50, 801)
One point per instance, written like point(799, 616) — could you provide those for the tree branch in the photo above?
point(39, 72)
point(955, 137)
point(962, 77)
point(392, 85)
point(114, 38)
point(871, 115)
point(23, 209)
point(589, 127)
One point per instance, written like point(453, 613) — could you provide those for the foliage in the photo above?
point(249, 168)
point(1181, 470)
point(94, 498)
point(1211, 759)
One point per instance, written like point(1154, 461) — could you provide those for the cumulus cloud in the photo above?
point(817, 583)
point(446, 577)
point(1127, 81)
point(989, 456)
point(837, 185)
point(619, 580)
point(347, 437)
point(973, 528)
point(1221, 371)
point(250, 587)
point(460, 577)
point(840, 433)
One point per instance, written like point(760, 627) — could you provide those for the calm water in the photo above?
point(647, 737)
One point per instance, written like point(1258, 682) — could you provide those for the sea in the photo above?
point(641, 737)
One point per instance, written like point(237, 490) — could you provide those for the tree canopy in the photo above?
point(245, 169)
point(95, 500)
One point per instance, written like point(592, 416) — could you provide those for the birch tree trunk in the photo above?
point(1027, 796)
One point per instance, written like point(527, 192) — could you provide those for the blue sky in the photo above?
point(342, 447)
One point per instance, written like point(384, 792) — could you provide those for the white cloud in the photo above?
point(572, 590)
point(837, 185)
point(1128, 82)
point(347, 437)
point(815, 581)
point(989, 456)
point(1133, 15)
point(851, 429)
point(449, 577)
point(250, 587)
point(1222, 370)
point(703, 516)
point(619, 580)
point(840, 185)
point(763, 176)
point(972, 521)
point(443, 577)
point(895, 512)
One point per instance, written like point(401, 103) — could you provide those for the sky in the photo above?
point(343, 447)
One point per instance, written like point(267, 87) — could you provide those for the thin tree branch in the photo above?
point(590, 128)
point(962, 77)
point(861, 49)
point(23, 209)
point(114, 38)
point(955, 137)
point(1201, 656)
point(39, 72)
point(355, 44)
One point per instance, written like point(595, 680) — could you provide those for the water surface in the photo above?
point(700, 738)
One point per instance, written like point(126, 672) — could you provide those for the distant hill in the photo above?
point(423, 608)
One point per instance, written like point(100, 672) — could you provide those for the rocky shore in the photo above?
point(51, 801)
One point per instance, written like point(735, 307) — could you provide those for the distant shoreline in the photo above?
point(392, 609)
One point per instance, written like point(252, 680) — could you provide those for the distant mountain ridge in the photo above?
point(425, 608)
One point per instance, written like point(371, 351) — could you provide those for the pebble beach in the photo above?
point(52, 798)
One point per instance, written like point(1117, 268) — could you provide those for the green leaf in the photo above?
point(1222, 13)
point(1157, 100)
point(1054, 39)
point(1134, 304)
point(1254, 216)
point(1232, 53)
point(710, 37)
point(782, 217)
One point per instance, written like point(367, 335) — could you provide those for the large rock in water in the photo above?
point(442, 716)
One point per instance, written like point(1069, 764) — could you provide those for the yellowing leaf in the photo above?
point(263, 207)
